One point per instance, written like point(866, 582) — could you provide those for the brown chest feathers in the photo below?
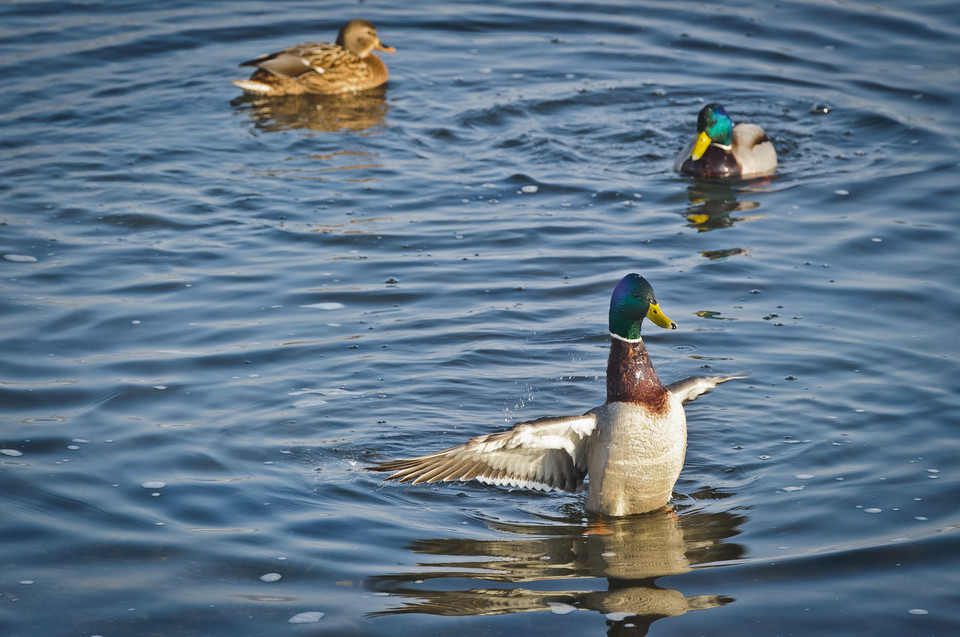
point(631, 377)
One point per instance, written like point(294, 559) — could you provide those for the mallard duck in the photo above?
point(632, 446)
point(321, 67)
point(724, 150)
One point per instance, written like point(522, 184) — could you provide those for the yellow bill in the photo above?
point(703, 140)
point(658, 317)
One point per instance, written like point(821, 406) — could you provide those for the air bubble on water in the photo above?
point(804, 476)
point(306, 618)
point(11, 452)
point(529, 190)
point(841, 192)
point(558, 608)
point(270, 577)
point(918, 611)
point(73, 447)
point(792, 489)
point(153, 484)
point(20, 258)
point(873, 510)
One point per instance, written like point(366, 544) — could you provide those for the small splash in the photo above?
point(11, 452)
point(306, 618)
point(617, 617)
point(529, 190)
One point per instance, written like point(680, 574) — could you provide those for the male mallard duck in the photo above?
point(321, 67)
point(724, 150)
point(632, 446)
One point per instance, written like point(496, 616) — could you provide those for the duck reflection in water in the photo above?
point(713, 204)
point(629, 552)
point(351, 112)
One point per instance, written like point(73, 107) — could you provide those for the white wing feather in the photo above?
point(548, 453)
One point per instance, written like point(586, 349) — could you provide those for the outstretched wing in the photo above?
point(692, 388)
point(547, 453)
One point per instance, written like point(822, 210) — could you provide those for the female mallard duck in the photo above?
point(321, 67)
point(724, 150)
point(632, 446)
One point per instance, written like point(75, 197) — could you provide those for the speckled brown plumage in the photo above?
point(348, 65)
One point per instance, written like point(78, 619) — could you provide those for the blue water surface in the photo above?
point(217, 310)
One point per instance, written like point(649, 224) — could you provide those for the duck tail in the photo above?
point(254, 86)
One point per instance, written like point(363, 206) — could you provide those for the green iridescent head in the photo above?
point(715, 122)
point(632, 301)
point(713, 125)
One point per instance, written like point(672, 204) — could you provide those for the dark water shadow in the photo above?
point(628, 554)
point(351, 112)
